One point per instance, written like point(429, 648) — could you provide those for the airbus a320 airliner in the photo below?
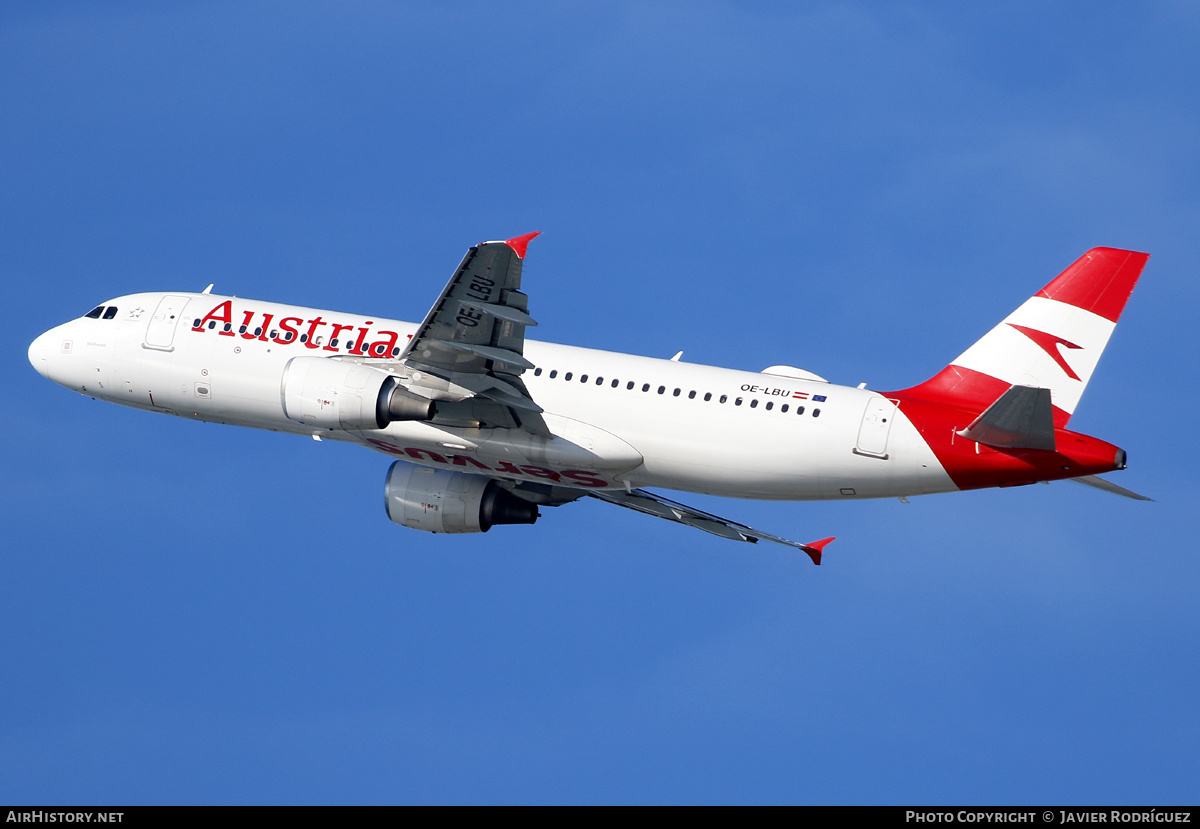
point(486, 426)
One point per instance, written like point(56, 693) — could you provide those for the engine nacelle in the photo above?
point(336, 394)
point(441, 501)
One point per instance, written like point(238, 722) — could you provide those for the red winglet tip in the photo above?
point(815, 548)
point(520, 244)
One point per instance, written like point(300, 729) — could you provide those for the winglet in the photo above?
point(520, 244)
point(814, 548)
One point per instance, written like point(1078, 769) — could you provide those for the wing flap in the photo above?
point(502, 391)
point(489, 352)
point(501, 312)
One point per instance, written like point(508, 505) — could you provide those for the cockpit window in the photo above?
point(111, 312)
point(94, 314)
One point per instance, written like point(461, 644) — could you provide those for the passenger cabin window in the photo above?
point(111, 312)
point(94, 314)
point(567, 376)
point(537, 372)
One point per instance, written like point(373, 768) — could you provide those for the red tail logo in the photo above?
point(1050, 343)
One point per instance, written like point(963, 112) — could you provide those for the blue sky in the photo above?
point(196, 613)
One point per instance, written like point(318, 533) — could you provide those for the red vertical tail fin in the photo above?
point(1053, 341)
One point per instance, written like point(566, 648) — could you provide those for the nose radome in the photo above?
point(37, 353)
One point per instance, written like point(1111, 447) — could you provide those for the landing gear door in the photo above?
point(160, 333)
point(875, 427)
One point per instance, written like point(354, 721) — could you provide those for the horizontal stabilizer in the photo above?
point(1109, 486)
point(1023, 418)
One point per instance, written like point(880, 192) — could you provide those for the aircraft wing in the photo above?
point(651, 504)
point(474, 337)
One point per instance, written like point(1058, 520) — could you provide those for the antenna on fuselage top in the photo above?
point(208, 290)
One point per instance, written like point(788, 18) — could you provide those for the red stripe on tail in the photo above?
point(1100, 281)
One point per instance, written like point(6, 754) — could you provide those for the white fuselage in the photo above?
point(633, 422)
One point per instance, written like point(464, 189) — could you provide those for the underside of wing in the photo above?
point(651, 504)
point(468, 353)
